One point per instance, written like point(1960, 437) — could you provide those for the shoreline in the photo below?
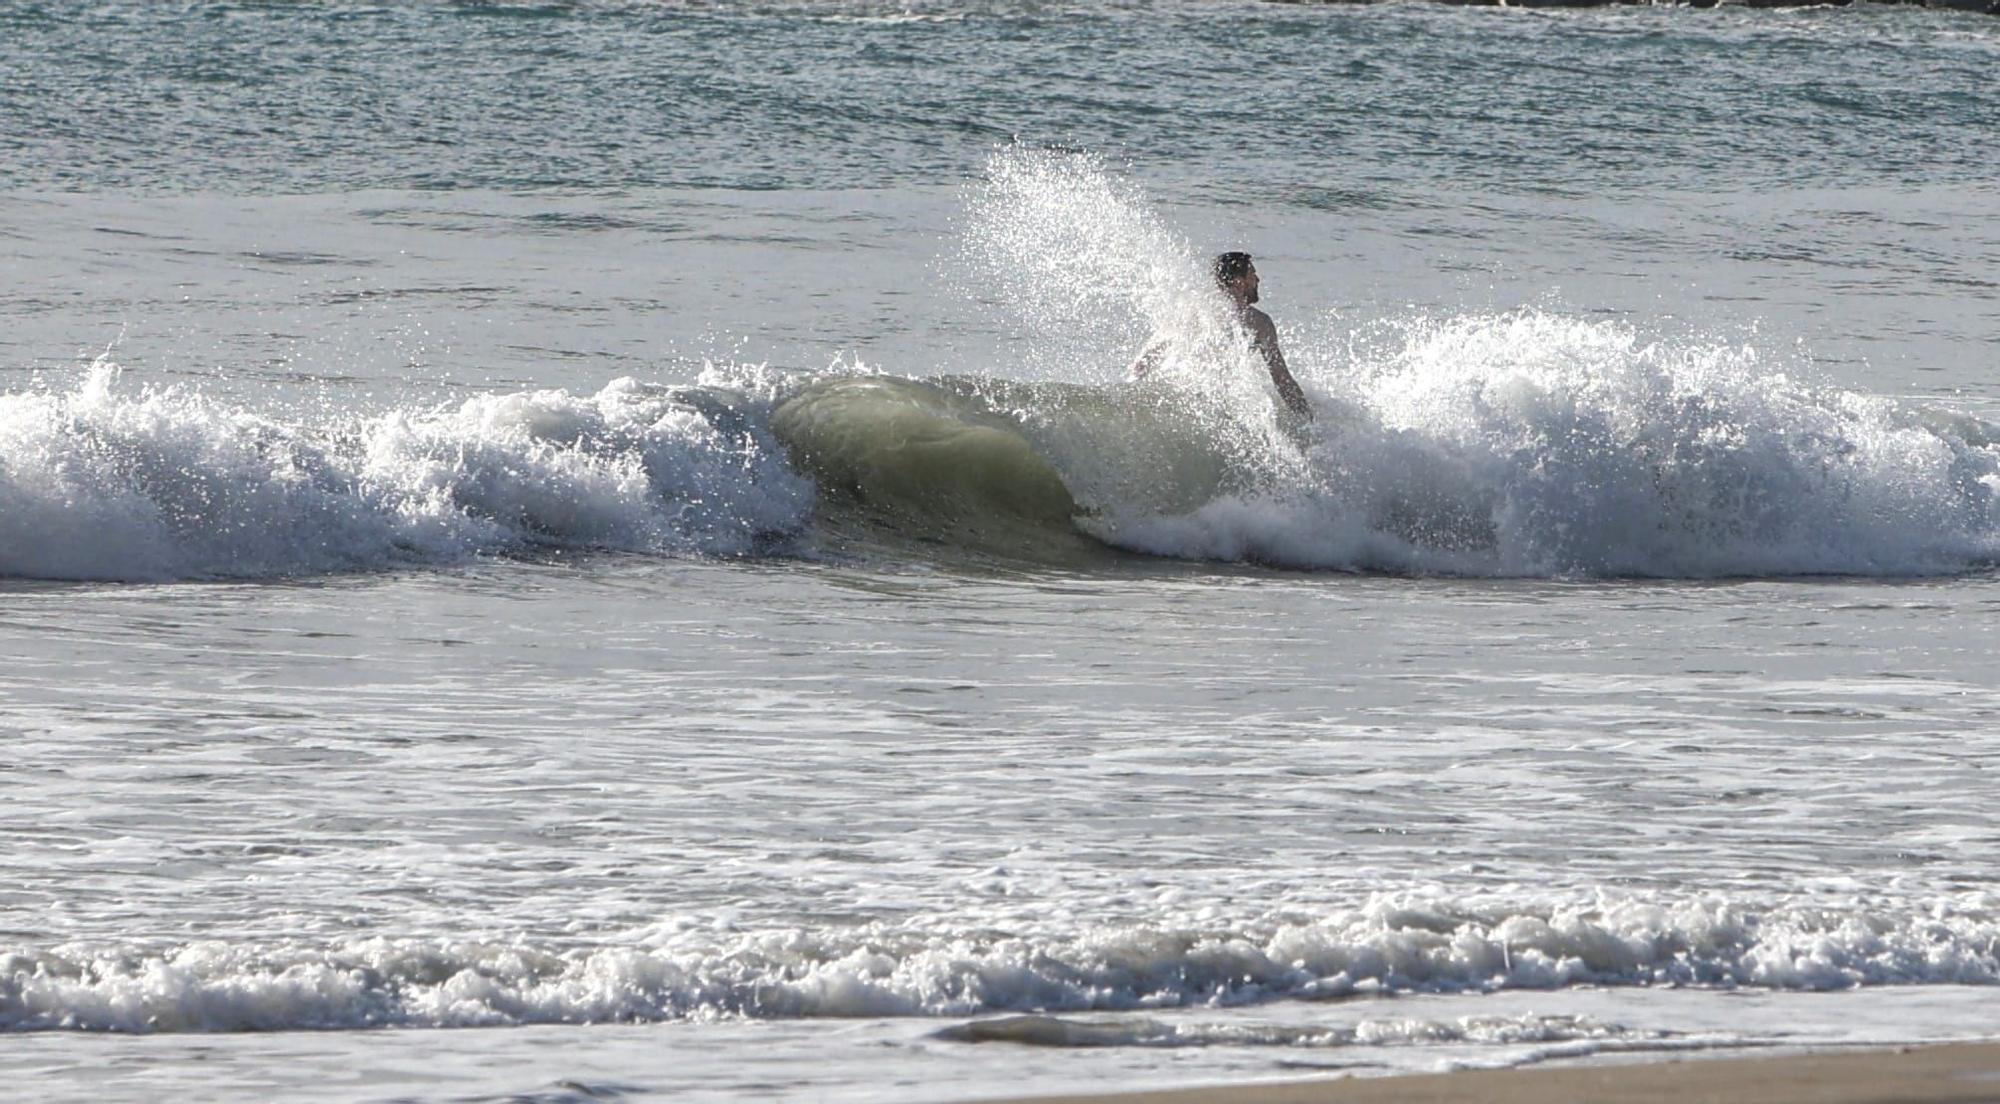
point(1942, 1073)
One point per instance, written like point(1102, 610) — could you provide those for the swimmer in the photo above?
point(1237, 278)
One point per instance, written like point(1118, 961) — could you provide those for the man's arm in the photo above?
point(1148, 359)
point(1264, 334)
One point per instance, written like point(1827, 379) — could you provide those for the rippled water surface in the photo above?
point(623, 529)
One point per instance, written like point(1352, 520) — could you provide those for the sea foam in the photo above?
point(1523, 443)
point(683, 971)
point(1534, 444)
point(1526, 443)
point(99, 481)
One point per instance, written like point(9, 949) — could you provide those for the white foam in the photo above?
point(681, 971)
point(1085, 263)
point(99, 482)
point(1534, 444)
point(1524, 443)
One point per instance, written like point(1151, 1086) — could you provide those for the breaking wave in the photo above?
point(1530, 444)
point(681, 972)
point(1516, 444)
point(1527, 443)
point(98, 482)
point(1513, 445)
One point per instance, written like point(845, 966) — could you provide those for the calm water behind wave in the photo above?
point(1341, 105)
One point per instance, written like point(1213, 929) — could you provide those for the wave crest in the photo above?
point(1530, 444)
point(680, 972)
point(96, 483)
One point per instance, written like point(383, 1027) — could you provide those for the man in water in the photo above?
point(1237, 278)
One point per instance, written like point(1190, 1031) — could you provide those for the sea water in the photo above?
point(588, 551)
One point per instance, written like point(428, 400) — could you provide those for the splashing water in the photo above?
point(1524, 443)
point(1533, 444)
point(1516, 444)
point(1393, 943)
point(99, 483)
point(1079, 255)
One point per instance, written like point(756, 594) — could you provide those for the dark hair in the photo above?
point(1230, 266)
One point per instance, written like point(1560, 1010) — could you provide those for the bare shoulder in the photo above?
point(1259, 323)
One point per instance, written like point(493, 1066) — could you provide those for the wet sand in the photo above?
point(1907, 1075)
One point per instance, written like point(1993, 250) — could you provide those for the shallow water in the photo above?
point(557, 542)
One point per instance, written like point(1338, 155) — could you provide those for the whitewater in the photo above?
point(1512, 445)
point(543, 559)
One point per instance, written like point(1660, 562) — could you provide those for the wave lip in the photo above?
point(96, 483)
point(681, 973)
point(920, 452)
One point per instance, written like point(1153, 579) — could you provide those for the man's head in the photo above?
point(1235, 275)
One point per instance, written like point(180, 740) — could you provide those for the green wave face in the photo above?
point(905, 458)
point(992, 467)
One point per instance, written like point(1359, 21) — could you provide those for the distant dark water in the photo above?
point(1271, 103)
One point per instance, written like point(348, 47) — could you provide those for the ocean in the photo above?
point(601, 550)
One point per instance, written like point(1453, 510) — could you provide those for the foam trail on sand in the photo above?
point(1549, 1036)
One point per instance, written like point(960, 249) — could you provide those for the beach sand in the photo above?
point(1906, 1075)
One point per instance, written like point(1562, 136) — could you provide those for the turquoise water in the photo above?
point(623, 529)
